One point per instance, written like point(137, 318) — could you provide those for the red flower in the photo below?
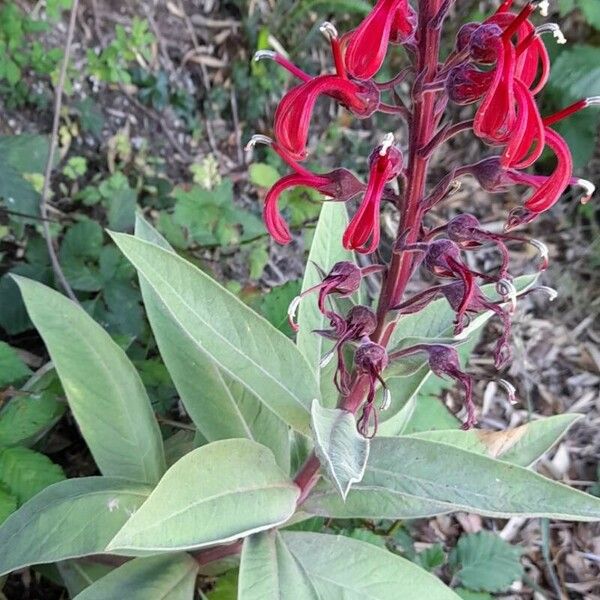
point(548, 190)
point(362, 234)
point(292, 117)
point(366, 47)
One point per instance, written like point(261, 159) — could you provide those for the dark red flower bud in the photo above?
point(444, 362)
point(370, 360)
point(463, 38)
point(484, 42)
point(466, 84)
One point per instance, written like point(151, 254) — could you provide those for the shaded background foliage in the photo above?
point(160, 100)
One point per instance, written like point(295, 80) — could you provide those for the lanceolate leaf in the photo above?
point(340, 567)
point(240, 342)
point(104, 390)
point(220, 407)
point(520, 446)
point(269, 571)
point(165, 577)
point(69, 519)
point(325, 251)
point(343, 452)
point(25, 472)
point(462, 480)
point(217, 493)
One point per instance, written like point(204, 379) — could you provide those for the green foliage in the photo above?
point(13, 369)
point(576, 75)
point(485, 562)
point(113, 63)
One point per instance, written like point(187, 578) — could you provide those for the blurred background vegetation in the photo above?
point(160, 99)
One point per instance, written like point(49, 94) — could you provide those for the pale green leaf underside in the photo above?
point(467, 481)
point(69, 519)
point(240, 342)
point(105, 392)
point(220, 407)
point(340, 567)
point(165, 577)
point(343, 451)
point(216, 493)
point(268, 571)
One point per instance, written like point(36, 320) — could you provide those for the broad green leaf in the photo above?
point(366, 503)
point(80, 574)
point(461, 480)
point(25, 418)
point(217, 493)
point(104, 390)
point(8, 503)
point(269, 571)
point(12, 368)
point(343, 451)
point(325, 251)
point(485, 562)
point(519, 446)
point(72, 518)
point(220, 407)
point(241, 343)
point(165, 577)
point(340, 567)
point(25, 472)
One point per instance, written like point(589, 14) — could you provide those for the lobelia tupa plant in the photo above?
point(323, 427)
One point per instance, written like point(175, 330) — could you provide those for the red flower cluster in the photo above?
point(499, 65)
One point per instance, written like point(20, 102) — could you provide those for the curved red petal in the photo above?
point(367, 44)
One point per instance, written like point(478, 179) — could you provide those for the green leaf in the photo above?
point(79, 252)
point(94, 508)
point(269, 571)
point(431, 558)
point(26, 418)
point(263, 175)
point(325, 251)
point(220, 407)
point(13, 369)
point(167, 577)
point(519, 446)
point(469, 595)
point(342, 451)
point(80, 574)
point(241, 343)
point(431, 471)
point(8, 503)
point(340, 567)
point(26, 472)
point(485, 562)
point(217, 493)
point(104, 390)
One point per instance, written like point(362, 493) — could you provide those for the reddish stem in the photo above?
point(424, 124)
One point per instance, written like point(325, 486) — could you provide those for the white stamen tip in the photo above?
point(544, 7)
point(592, 101)
point(508, 291)
point(258, 138)
point(261, 54)
point(541, 248)
point(293, 308)
point(554, 29)
point(329, 31)
point(510, 390)
point(589, 189)
point(551, 292)
point(326, 358)
point(386, 144)
point(387, 399)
